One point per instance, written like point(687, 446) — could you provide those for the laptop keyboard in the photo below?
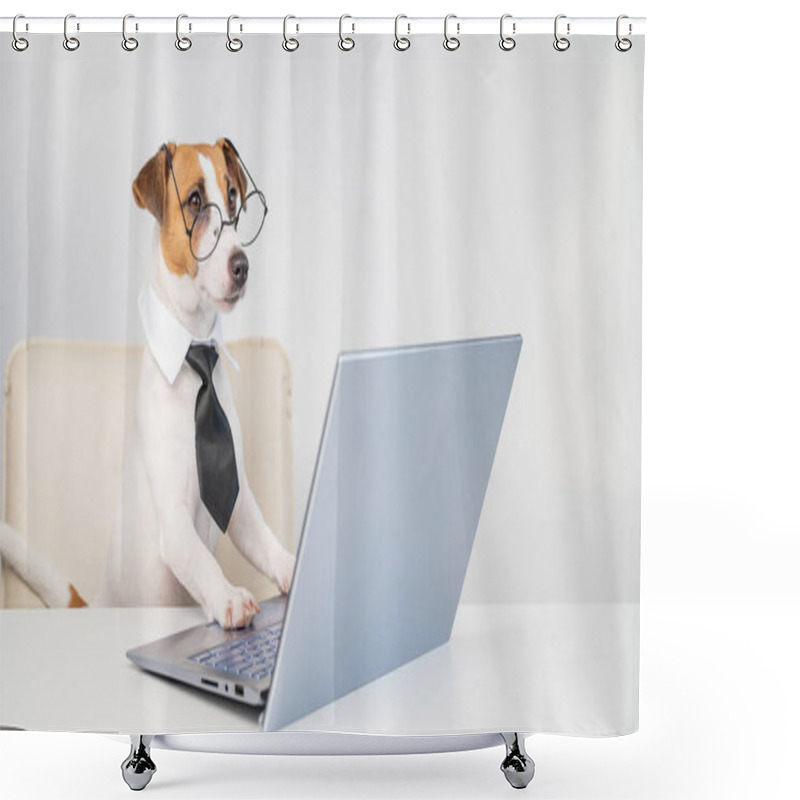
point(250, 656)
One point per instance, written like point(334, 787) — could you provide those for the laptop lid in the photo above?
point(406, 452)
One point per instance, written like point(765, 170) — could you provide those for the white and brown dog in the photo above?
point(162, 552)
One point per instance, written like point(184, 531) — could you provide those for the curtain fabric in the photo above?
point(414, 197)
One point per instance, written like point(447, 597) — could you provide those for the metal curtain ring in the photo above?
point(290, 44)
point(623, 44)
point(233, 44)
point(561, 43)
point(451, 42)
point(71, 43)
point(507, 42)
point(346, 42)
point(129, 43)
point(401, 42)
point(18, 42)
point(183, 43)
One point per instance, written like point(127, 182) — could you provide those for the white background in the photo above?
point(721, 438)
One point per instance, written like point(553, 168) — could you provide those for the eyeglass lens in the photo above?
point(206, 230)
point(251, 218)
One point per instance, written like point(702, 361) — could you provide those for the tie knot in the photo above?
point(202, 358)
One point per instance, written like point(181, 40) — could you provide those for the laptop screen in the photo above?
point(402, 469)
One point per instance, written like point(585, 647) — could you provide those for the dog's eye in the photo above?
point(194, 202)
point(232, 199)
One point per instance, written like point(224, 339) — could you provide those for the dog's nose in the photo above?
point(238, 266)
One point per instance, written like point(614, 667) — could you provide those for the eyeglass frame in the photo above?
point(234, 221)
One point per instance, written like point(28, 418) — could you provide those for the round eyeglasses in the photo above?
point(208, 222)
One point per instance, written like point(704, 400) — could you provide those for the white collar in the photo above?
point(168, 339)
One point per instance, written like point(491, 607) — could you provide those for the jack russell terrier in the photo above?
point(183, 472)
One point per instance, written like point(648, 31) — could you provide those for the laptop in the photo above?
point(402, 468)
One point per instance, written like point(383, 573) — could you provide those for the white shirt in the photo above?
point(168, 339)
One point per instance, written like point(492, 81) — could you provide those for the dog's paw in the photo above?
point(235, 609)
point(282, 569)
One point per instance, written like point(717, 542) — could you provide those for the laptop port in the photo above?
point(239, 689)
point(209, 682)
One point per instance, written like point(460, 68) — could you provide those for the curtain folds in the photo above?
point(414, 197)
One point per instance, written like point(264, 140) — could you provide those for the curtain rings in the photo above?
point(290, 44)
point(183, 43)
point(401, 42)
point(451, 42)
point(129, 43)
point(507, 42)
point(561, 43)
point(71, 43)
point(346, 43)
point(233, 44)
point(623, 44)
point(18, 42)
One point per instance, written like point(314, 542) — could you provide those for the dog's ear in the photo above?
point(150, 186)
point(233, 166)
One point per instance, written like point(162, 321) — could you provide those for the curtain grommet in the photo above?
point(129, 43)
point(233, 44)
point(623, 44)
point(507, 42)
point(183, 43)
point(451, 43)
point(561, 43)
point(71, 43)
point(289, 44)
point(401, 43)
point(19, 43)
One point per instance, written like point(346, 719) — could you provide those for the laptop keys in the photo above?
point(251, 655)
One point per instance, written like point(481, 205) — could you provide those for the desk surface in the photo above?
point(567, 668)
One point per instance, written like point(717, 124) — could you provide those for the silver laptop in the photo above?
point(403, 464)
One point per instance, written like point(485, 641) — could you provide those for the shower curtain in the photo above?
point(275, 208)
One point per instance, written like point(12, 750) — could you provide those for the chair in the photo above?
point(67, 407)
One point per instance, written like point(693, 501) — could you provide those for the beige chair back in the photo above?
point(67, 408)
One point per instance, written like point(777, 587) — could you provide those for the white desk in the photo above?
point(522, 667)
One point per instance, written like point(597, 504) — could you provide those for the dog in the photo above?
point(162, 549)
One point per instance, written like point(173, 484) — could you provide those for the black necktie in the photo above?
point(216, 461)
